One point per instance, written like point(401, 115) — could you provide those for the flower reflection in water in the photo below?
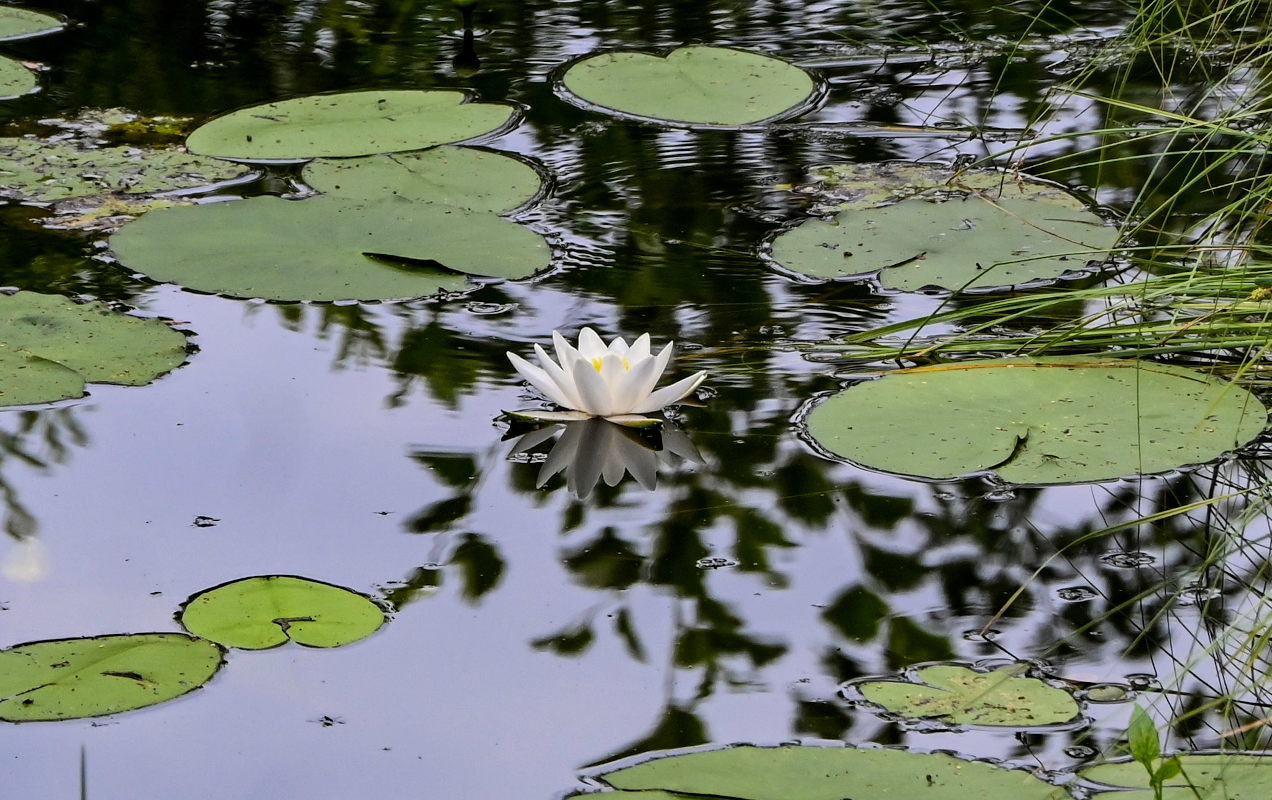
point(593, 449)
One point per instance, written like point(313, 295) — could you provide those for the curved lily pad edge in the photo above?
point(814, 100)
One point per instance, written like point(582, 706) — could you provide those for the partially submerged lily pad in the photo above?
point(15, 79)
point(958, 695)
point(1037, 421)
point(347, 124)
point(829, 773)
point(42, 171)
point(1213, 776)
point(50, 347)
point(20, 23)
point(976, 242)
point(463, 177)
point(75, 678)
point(271, 610)
point(696, 85)
point(327, 248)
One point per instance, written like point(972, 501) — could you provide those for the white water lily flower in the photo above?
point(595, 380)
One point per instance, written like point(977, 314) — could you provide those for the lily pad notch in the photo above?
point(696, 86)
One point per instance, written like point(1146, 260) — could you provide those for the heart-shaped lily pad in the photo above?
point(19, 23)
point(271, 610)
point(347, 124)
point(962, 696)
point(41, 171)
point(1037, 421)
point(1213, 776)
point(50, 347)
point(463, 177)
point(829, 773)
point(327, 248)
point(15, 79)
point(74, 678)
point(695, 85)
point(976, 242)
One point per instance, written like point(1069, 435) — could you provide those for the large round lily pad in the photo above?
point(347, 124)
point(976, 242)
point(1214, 776)
point(15, 79)
point(51, 346)
point(697, 85)
point(41, 171)
point(830, 773)
point(19, 23)
point(74, 678)
point(463, 177)
point(327, 248)
point(962, 696)
point(271, 610)
point(1043, 421)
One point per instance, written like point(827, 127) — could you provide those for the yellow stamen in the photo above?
point(596, 362)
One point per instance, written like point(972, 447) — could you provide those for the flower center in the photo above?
point(596, 363)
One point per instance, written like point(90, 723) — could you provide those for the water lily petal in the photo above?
point(539, 380)
point(639, 349)
point(560, 377)
point(670, 394)
point(593, 390)
point(633, 386)
point(590, 344)
point(566, 353)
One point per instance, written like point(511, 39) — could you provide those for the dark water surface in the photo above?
point(535, 633)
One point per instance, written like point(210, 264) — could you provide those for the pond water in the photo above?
point(533, 632)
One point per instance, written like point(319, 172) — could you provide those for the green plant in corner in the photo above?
point(1146, 748)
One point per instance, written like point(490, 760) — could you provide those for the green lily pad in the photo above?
point(962, 696)
point(15, 79)
point(696, 85)
point(19, 23)
point(50, 347)
point(968, 243)
point(1216, 776)
point(347, 124)
point(75, 678)
point(270, 610)
point(42, 171)
point(830, 773)
point(477, 180)
point(1037, 421)
point(327, 248)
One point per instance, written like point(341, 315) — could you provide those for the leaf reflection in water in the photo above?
point(589, 450)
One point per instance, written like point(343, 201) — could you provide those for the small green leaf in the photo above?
point(698, 85)
point(74, 678)
point(963, 696)
point(347, 124)
point(1142, 740)
point(270, 610)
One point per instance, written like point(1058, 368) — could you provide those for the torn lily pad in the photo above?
point(1037, 421)
point(348, 124)
point(957, 695)
point(20, 23)
point(75, 678)
point(50, 347)
point(15, 79)
point(43, 171)
point(694, 85)
point(463, 177)
point(828, 773)
point(1213, 776)
point(327, 248)
point(973, 242)
point(270, 610)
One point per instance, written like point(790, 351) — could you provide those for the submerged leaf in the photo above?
point(696, 85)
point(347, 124)
point(74, 678)
point(86, 340)
point(327, 248)
point(1037, 421)
point(270, 610)
point(972, 243)
point(829, 773)
point(962, 696)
